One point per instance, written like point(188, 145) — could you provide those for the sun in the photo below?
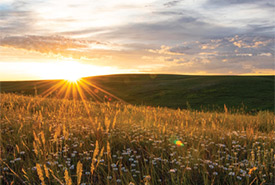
point(72, 71)
point(73, 78)
point(69, 70)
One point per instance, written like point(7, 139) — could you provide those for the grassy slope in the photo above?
point(174, 91)
point(59, 134)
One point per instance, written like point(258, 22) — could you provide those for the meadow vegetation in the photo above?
point(58, 141)
point(248, 94)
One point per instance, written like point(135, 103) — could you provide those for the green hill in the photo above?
point(175, 91)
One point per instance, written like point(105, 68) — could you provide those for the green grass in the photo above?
point(45, 140)
point(246, 93)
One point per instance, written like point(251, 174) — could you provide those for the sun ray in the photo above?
point(95, 86)
point(52, 89)
point(90, 92)
point(62, 89)
point(68, 91)
point(83, 97)
point(79, 90)
point(74, 91)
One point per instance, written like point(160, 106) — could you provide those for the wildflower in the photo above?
point(118, 180)
point(72, 167)
point(17, 159)
point(231, 173)
point(215, 173)
point(172, 170)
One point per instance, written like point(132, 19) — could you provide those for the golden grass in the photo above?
point(53, 141)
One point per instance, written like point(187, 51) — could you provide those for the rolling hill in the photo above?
point(251, 93)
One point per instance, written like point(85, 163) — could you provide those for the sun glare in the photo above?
point(73, 78)
point(68, 70)
point(72, 71)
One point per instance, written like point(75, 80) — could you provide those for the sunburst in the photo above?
point(78, 89)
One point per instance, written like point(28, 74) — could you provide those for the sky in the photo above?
point(48, 39)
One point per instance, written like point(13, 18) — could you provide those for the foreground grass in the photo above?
point(53, 141)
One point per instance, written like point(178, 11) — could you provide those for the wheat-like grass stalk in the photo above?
point(94, 157)
point(35, 148)
point(43, 138)
point(108, 149)
point(96, 150)
point(46, 171)
point(40, 173)
point(79, 172)
point(68, 179)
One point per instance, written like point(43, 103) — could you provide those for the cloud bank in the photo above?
point(203, 36)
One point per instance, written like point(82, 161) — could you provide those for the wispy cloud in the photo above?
point(58, 45)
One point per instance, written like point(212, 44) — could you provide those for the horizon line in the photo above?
point(143, 73)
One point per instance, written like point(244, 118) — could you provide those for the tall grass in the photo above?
point(53, 141)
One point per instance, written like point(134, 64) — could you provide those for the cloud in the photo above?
point(184, 28)
point(58, 45)
point(165, 50)
point(237, 54)
point(263, 3)
point(16, 18)
point(185, 36)
point(15, 22)
point(171, 3)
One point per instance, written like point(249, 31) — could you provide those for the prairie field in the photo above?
point(59, 141)
point(203, 93)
